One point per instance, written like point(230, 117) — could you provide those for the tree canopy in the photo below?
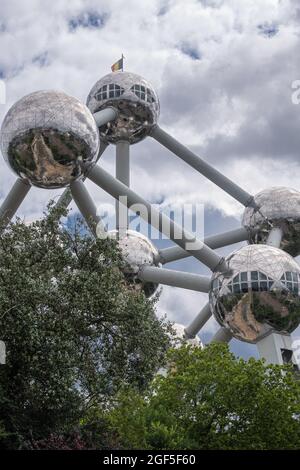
point(212, 400)
point(74, 331)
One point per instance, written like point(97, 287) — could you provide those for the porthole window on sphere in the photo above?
point(109, 91)
point(290, 281)
point(253, 280)
point(143, 93)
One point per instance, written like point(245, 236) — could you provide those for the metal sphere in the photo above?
point(279, 207)
point(137, 250)
point(49, 139)
point(180, 337)
point(136, 101)
point(260, 295)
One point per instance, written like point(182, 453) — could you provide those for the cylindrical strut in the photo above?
point(123, 175)
point(13, 200)
point(204, 168)
point(86, 206)
point(105, 115)
point(169, 277)
point(157, 219)
point(167, 255)
point(203, 316)
point(275, 237)
point(223, 335)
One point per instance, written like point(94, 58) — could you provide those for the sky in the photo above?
point(223, 71)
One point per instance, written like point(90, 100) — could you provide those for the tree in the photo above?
point(74, 331)
point(212, 400)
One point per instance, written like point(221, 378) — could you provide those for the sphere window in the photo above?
point(236, 288)
point(143, 93)
point(109, 91)
point(244, 287)
point(253, 280)
point(291, 281)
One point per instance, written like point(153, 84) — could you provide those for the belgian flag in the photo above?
point(118, 65)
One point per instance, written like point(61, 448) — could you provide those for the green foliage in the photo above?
point(73, 330)
point(212, 400)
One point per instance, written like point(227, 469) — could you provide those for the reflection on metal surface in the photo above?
point(180, 337)
point(137, 250)
point(136, 101)
point(279, 207)
point(260, 295)
point(49, 138)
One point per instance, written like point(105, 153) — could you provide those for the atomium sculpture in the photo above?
point(51, 140)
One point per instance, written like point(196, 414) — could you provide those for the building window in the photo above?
point(291, 281)
point(143, 93)
point(109, 91)
point(254, 280)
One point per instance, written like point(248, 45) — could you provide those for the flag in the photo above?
point(118, 65)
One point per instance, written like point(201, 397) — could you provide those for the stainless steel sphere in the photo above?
point(137, 250)
point(260, 295)
point(134, 98)
point(49, 139)
point(279, 207)
point(180, 338)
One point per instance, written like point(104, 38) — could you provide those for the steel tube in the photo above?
point(86, 206)
point(204, 168)
point(13, 200)
point(199, 321)
point(174, 278)
point(275, 237)
point(167, 255)
point(105, 115)
point(123, 175)
point(223, 335)
point(158, 220)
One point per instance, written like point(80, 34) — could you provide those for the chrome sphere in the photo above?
point(180, 339)
point(260, 295)
point(134, 98)
point(137, 250)
point(279, 207)
point(49, 139)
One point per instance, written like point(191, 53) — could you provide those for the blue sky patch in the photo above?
point(268, 30)
point(191, 51)
point(42, 59)
point(88, 20)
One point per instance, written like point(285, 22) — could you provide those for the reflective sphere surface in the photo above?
point(180, 338)
point(260, 295)
point(279, 207)
point(134, 98)
point(137, 250)
point(49, 139)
